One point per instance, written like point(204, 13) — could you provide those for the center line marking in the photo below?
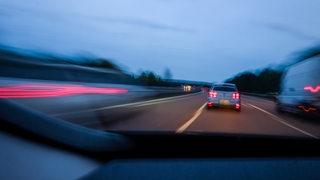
point(190, 121)
point(274, 117)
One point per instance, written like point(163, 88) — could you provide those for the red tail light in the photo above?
point(311, 89)
point(213, 94)
point(307, 109)
point(235, 95)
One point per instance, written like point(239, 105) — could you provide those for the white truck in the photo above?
point(300, 88)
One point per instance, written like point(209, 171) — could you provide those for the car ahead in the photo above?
point(300, 88)
point(224, 95)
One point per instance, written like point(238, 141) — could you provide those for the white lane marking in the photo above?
point(274, 117)
point(135, 104)
point(190, 121)
point(244, 105)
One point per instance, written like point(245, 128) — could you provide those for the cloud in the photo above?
point(290, 31)
point(54, 15)
point(23, 11)
point(143, 23)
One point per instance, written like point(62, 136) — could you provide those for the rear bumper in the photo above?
point(302, 109)
point(235, 104)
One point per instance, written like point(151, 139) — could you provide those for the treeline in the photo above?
point(153, 79)
point(145, 78)
point(266, 81)
point(100, 63)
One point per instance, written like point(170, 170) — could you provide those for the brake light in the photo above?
point(235, 95)
point(237, 106)
point(213, 94)
point(311, 89)
point(307, 109)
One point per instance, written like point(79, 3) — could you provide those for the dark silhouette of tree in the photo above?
point(246, 81)
point(150, 78)
point(266, 81)
point(269, 80)
point(101, 63)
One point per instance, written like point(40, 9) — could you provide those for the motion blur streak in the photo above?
point(53, 90)
point(307, 109)
point(311, 89)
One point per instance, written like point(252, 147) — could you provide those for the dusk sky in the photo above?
point(205, 40)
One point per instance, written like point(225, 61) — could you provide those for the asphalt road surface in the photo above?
point(179, 114)
point(189, 114)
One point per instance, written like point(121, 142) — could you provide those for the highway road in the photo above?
point(134, 110)
point(188, 113)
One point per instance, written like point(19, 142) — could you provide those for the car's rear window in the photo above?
point(220, 88)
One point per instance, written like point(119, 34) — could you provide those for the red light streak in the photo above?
point(311, 89)
point(53, 90)
point(307, 109)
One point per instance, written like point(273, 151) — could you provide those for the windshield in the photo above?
point(219, 88)
point(149, 65)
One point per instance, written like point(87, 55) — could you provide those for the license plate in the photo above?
point(225, 102)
